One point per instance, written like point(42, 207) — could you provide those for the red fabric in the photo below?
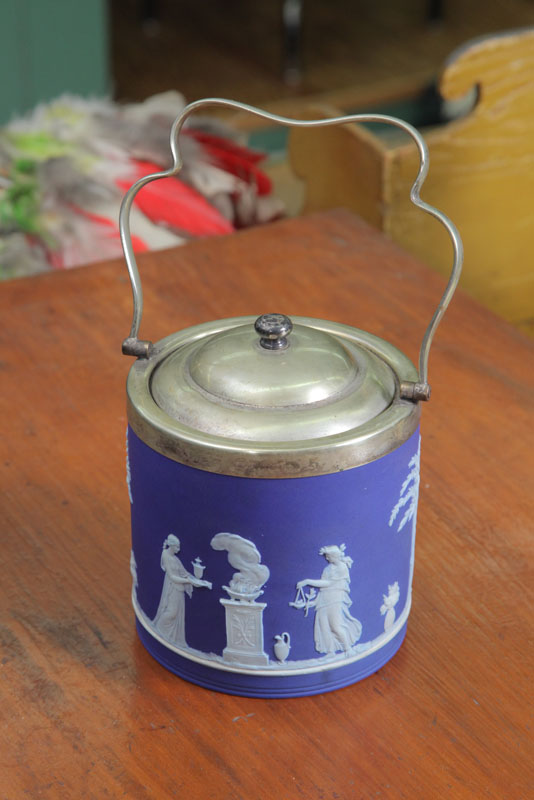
point(171, 202)
point(236, 159)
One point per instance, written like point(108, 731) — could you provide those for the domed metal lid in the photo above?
point(238, 385)
point(267, 391)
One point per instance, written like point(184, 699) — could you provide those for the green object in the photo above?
point(39, 145)
point(48, 47)
point(19, 203)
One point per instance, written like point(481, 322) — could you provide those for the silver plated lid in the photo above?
point(228, 397)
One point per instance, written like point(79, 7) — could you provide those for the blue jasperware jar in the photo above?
point(273, 474)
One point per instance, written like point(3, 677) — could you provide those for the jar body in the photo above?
point(325, 559)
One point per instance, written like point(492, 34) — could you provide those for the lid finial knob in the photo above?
point(273, 330)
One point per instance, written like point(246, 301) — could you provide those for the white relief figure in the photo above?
point(334, 629)
point(170, 616)
point(244, 616)
point(128, 472)
point(390, 600)
point(407, 501)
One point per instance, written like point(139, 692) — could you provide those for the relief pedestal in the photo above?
point(244, 633)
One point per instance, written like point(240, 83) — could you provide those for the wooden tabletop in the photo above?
point(85, 712)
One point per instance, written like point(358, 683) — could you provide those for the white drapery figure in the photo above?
point(334, 629)
point(170, 616)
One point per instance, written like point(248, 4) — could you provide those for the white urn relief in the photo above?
point(244, 616)
point(387, 609)
point(169, 621)
point(335, 629)
point(198, 568)
point(282, 646)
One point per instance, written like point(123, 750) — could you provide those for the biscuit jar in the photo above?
point(273, 475)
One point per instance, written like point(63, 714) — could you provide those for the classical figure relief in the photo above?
point(170, 616)
point(334, 628)
point(387, 609)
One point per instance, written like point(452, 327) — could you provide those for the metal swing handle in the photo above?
point(136, 347)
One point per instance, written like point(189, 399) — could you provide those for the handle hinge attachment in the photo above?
point(137, 347)
point(410, 390)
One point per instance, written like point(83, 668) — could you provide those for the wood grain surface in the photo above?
point(85, 712)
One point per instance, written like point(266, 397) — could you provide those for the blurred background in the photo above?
point(237, 48)
point(298, 57)
point(135, 48)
